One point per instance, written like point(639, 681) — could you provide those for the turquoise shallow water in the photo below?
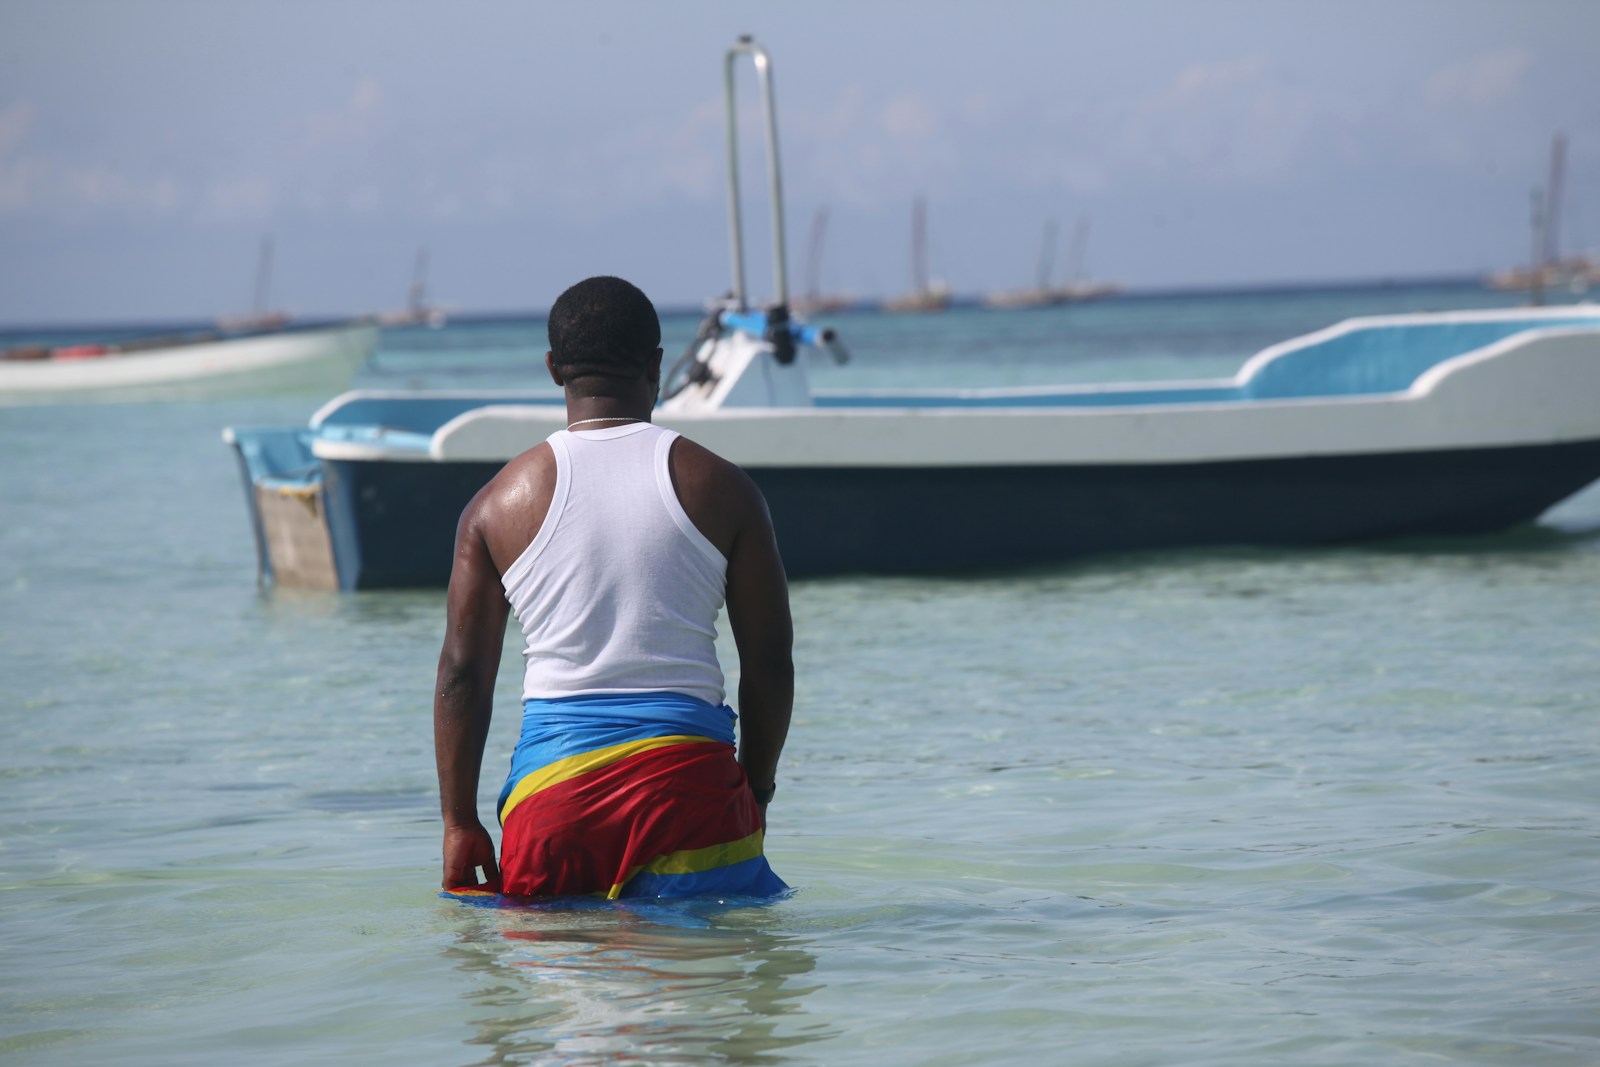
point(1222, 807)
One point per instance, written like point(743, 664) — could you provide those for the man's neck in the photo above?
point(601, 411)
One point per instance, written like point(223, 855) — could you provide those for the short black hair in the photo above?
point(603, 327)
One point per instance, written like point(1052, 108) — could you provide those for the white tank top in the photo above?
point(618, 592)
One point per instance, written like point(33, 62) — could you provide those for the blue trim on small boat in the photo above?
point(1382, 359)
point(1364, 361)
point(388, 438)
point(277, 456)
point(1010, 400)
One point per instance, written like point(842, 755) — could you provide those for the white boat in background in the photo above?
point(1430, 424)
point(301, 360)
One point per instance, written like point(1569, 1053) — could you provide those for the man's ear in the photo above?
point(550, 365)
point(655, 366)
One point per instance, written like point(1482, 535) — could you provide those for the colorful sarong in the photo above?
point(635, 795)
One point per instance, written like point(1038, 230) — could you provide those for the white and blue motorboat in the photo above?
point(1449, 423)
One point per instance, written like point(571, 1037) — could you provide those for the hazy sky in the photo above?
point(147, 147)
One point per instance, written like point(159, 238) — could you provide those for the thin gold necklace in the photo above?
point(608, 418)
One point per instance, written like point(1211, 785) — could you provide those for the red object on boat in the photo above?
point(81, 352)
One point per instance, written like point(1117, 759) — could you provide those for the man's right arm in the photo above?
point(463, 700)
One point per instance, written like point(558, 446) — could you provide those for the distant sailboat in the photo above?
point(1041, 295)
point(1044, 294)
point(1081, 287)
point(1547, 269)
point(260, 318)
point(417, 312)
point(923, 296)
point(815, 302)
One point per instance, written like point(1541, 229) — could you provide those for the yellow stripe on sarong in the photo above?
point(564, 769)
point(695, 860)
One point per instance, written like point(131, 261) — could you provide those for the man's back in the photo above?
point(618, 591)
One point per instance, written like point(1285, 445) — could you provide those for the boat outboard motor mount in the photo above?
point(694, 366)
point(778, 335)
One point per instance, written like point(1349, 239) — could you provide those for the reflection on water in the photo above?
point(685, 982)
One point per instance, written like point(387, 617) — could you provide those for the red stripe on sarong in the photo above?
point(592, 832)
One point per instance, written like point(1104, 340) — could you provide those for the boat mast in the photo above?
point(418, 296)
point(263, 278)
point(1536, 253)
point(1080, 240)
point(819, 229)
point(1047, 255)
point(919, 247)
point(1552, 210)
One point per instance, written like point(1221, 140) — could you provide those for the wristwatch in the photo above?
point(764, 796)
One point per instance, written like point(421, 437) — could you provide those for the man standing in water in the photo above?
point(615, 543)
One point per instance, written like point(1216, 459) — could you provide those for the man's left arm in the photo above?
point(763, 632)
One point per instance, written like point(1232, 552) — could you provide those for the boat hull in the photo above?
point(900, 520)
point(290, 362)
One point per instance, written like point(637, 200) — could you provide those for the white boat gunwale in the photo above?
point(1439, 410)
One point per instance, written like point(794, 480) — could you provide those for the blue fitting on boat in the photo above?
point(755, 322)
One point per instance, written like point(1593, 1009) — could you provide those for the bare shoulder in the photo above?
point(507, 512)
point(696, 466)
point(718, 496)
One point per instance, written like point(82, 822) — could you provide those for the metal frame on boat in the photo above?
point(1428, 424)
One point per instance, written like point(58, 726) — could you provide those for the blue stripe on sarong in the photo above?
point(567, 726)
point(753, 877)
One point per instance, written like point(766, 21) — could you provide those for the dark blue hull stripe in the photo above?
point(394, 523)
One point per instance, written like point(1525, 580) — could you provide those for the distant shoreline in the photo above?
point(868, 305)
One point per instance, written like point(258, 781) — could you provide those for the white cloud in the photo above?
point(842, 118)
point(15, 122)
point(365, 199)
point(1221, 122)
point(1204, 79)
point(910, 118)
point(20, 176)
point(237, 199)
point(687, 151)
point(352, 120)
point(33, 183)
point(1484, 79)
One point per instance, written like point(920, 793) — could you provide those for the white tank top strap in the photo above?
point(558, 504)
point(674, 506)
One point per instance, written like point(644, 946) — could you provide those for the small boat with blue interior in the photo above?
point(1444, 423)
